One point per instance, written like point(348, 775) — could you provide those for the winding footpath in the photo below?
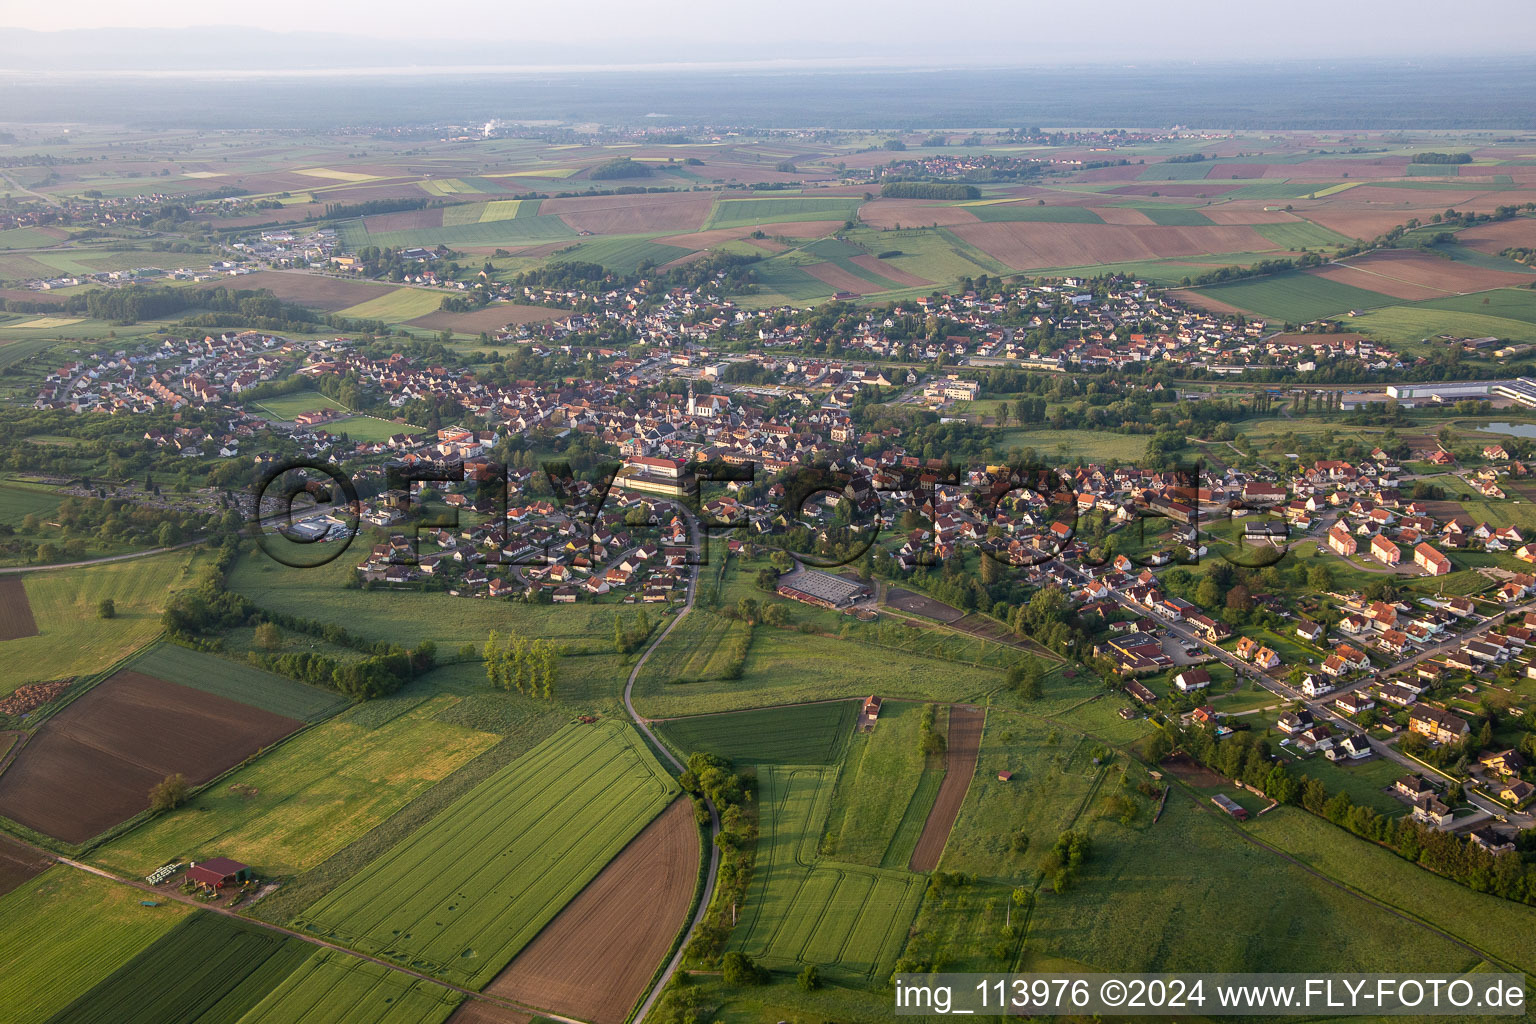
point(714, 816)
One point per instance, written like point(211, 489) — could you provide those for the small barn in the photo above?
point(218, 873)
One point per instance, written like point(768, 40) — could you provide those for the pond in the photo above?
point(1514, 429)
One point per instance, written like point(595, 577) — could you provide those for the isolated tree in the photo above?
point(106, 608)
point(168, 793)
point(268, 636)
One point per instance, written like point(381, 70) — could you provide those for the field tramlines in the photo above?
point(467, 891)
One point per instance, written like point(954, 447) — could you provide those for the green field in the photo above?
point(1090, 444)
point(1167, 897)
point(368, 428)
point(886, 784)
point(518, 231)
point(244, 683)
point(1029, 211)
point(397, 306)
point(1503, 930)
point(623, 254)
point(19, 500)
point(1417, 322)
point(1300, 234)
point(63, 932)
point(25, 238)
point(286, 407)
point(1505, 303)
point(848, 920)
point(1045, 793)
point(466, 892)
point(334, 988)
point(1174, 216)
point(703, 648)
point(807, 734)
point(1295, 296)
point(314, 794)
point(1175, 172)
point(746, 213)
point(207, 969)
point(72, 639)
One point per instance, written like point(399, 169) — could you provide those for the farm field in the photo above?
point(319, 791)
point(964, 742)
point(775, 673)
point(805, 734)
point(72, 640)
point(1073, 443)
point(704, 648)
point(63, 932)
point(593, 960)
point(334, 988)
point(207, 968)
point(19, 500)
point(748, 213)
point(19, 862)
point(1294, 296)
point(92, 764)
point(395, 307)
point(468, 891)
point(849, 920)
point(243, 683)
point(882, 783)
point(16, 619)
point(1158, 897)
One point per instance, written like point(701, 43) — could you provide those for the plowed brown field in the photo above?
point(633, 215)
point(15, 611)
point(92, 765)
point(312, 290)
point(19, 863)
point(840, 279)
point(491, 318)
point(1416, 275)
point(593, 960)
point(887, 213)
point(1028, 244)
point(890, 271)
point(959, 765)
point(1495, 238)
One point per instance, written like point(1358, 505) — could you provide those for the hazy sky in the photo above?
point(1029, 31)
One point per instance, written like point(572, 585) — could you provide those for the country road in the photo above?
point(714, 815)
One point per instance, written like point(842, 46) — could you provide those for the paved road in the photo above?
point(10, 570)
point(714, 817)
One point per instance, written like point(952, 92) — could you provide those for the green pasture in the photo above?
point(19, 500)
point(803, 734)
point(1411, 323)
point(1295, 296)
point(623, 254)
point(1300, 234)
point(886, 783)
point(397, 306)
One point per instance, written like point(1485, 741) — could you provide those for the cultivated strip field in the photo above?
point(334, 988)
point(848, 920)
point(239, 682)
point(469, 890)
point(15, 611)
point(92, 765)
point(965, 725)
point(801, 734)
point(593, 960)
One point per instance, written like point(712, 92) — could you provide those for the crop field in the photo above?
point(64, 931)
point(703, 650)
point(16, 619)
point(19, 500)
point(960, 754)
point(208, 968)
point(397, 306)
point(1087, 443)
point(775, 674)
point(238, 682)
point(334, 988)
point(1505, 303)
point(746, 213)
point(19, 862)
point(466, 892)
point(1034, 245)
point(883, 783)
point(517, 232)
point(1159, 897)
point(593, 960)
point(802, 734)
point(1029, 211)
point(1295, 296)
point(318, 792)
point(1418, 322)
point(850, 921)
point(624, 254)
point(286, 407)
point(92, 764)
point(72, 639)
point(1300, 234)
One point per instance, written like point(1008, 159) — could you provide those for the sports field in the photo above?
point(310, 797)
point(849, 920)
point(286, 407)
point(466, 892)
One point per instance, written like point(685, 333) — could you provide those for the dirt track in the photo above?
point(593, 960)
point(16, 619)
point(959, 766)
point(93, 764)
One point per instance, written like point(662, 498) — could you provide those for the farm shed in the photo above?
point(1229, 805)
point(218, 873)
